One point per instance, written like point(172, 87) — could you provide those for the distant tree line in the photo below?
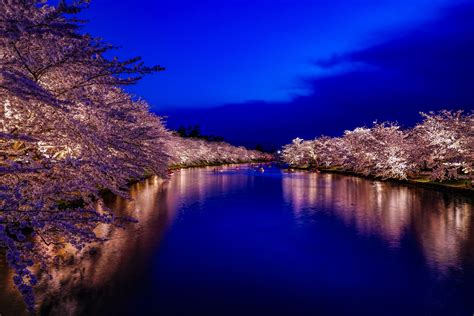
point(199, 152)
point(194, 131)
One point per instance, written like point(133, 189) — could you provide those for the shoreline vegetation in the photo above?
point(69, 132)
point(461, 186)
point(218, 164)
point(195, 152)
point(437, 153)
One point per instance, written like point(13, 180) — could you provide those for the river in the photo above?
point(239, 240)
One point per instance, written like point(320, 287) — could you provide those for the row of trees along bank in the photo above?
point(68, 131)
point(440, 148)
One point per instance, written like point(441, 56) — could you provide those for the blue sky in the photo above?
point(265, 71)
point(230, 51)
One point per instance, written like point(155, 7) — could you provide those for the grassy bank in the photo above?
point(457, 186)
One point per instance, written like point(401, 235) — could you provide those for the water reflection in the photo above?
point(72, 288)
point(443, 224)
point(10, 299)
point(77, 286)
point(199, 184)
point(256, 228)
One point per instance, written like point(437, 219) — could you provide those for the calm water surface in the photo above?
point(241, 242)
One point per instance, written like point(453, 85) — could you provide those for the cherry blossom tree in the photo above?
point(443, 145)
point(392, 152)
point(360, 156)
point(378, 151)
point(188, 152)
point(300, 153)
point(329, 151)
point(67, 132)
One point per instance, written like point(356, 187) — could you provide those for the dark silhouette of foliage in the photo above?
point(194, 131)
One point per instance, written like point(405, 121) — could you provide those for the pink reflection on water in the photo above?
point(443, 227)
point(96, 266)
point(155, 203)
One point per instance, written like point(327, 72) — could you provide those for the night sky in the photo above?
point(266, 71)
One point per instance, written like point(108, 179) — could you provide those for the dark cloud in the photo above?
point(331, 62)
point(427, 68)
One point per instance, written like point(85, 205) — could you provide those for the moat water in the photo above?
point(239, 240)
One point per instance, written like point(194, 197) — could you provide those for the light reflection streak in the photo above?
point(154, 203)
point(97, 265)
point(442, 224)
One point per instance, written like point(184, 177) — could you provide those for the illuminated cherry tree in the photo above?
point(442, 145)
point(445, 144)
point(188, 152)
point(68, 132)
point(379, 151)
point(300, 153)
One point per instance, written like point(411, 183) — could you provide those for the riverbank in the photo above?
point(177, 167)
point(460, 186)
point(200, 212)
point(217, 164)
